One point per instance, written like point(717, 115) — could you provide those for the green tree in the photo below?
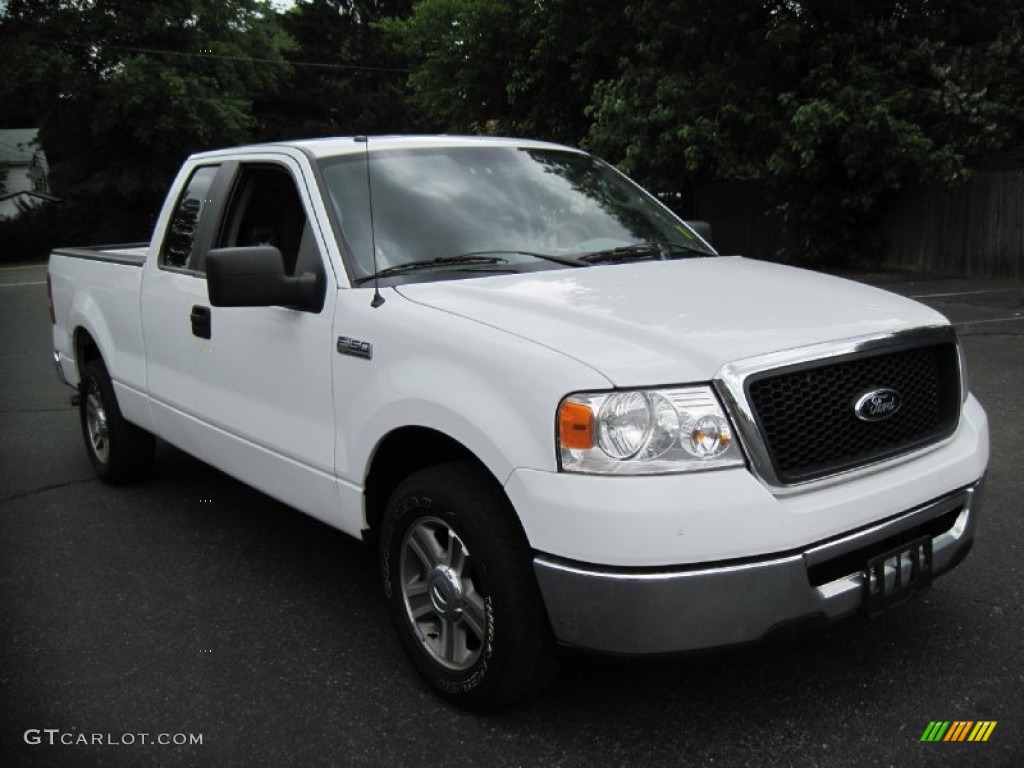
point(835, 105)
point(891, 95)
point(451, 41)
point(694, 97)
point(345, 79)
point(124, 91)
point(520, 67)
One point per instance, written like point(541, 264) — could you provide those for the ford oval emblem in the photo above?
point(877, 405)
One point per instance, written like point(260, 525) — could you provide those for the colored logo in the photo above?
point(877, 405)
point(958, 730)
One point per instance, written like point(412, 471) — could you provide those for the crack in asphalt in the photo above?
point(35, 491)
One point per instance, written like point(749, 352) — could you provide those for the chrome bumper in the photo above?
point(655, 611)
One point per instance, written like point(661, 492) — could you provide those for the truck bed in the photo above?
point(98, 288)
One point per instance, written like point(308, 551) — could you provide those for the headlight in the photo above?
point(649, 431)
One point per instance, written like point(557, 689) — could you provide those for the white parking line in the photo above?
point(959, 293)
point(15, 285)
point(23, 266)
point(991, 320)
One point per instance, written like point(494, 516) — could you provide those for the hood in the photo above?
point(666, 322)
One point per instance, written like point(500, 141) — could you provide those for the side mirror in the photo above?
point(702, 228)
point(254, 276)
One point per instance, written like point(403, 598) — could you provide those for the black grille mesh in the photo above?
point(808, 422)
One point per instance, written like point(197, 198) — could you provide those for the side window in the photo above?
point(265, 209)
point(181, 232)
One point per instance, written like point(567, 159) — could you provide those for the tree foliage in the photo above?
point(34, 232)
point(516, 67)
point(345, 80)
point(834, 105)
point(123, 91)
point(830, 106)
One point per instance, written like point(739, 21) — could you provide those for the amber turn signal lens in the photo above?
point(576, 426)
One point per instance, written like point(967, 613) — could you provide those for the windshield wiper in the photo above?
point(566, 260)
point(649, 250)
point(441, 261)
point(569, 261)
point(472, 258)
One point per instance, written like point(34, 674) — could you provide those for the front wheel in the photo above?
point(459, 580)
point(120, 452)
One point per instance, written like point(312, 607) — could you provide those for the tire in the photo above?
point(461, 591)
point(120, 452)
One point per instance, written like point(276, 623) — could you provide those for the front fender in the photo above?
point(493, 392)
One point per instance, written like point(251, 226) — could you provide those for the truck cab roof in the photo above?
point(341, 145)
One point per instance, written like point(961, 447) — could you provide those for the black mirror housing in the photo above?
point(702, 228)
point(254, 276)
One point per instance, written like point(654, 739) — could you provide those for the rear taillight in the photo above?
point(49, 299)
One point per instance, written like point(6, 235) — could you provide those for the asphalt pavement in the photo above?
point(193, 606)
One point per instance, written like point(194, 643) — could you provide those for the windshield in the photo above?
point(433, 206)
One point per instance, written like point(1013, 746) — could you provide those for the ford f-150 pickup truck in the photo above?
point(559, 416)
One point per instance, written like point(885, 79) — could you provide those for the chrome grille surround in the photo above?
point(732, 380)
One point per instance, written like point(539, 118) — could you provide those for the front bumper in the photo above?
point(655, 610)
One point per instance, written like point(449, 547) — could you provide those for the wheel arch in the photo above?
point(400, 453)
point(85, 349)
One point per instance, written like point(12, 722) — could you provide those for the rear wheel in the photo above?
point(461, 590)
point(120, 452)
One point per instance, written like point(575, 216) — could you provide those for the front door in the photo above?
point(254, 393)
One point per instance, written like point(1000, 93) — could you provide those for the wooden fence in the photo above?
point(740, 216)
point(973, 230)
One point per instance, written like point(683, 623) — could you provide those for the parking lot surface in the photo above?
point(192, 605)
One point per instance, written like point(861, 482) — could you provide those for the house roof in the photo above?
point(18, 145)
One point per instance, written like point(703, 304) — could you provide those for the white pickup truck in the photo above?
point(559, 416)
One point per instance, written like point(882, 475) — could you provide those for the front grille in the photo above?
point(807, 418)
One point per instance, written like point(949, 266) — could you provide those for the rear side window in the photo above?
point(181, 232)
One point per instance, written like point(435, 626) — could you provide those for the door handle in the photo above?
point(201, 322)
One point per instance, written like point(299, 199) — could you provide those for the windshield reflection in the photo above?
point(434, 203)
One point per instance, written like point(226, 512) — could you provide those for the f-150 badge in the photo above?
point(355, 347)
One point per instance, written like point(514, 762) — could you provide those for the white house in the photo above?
point(27, 181)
